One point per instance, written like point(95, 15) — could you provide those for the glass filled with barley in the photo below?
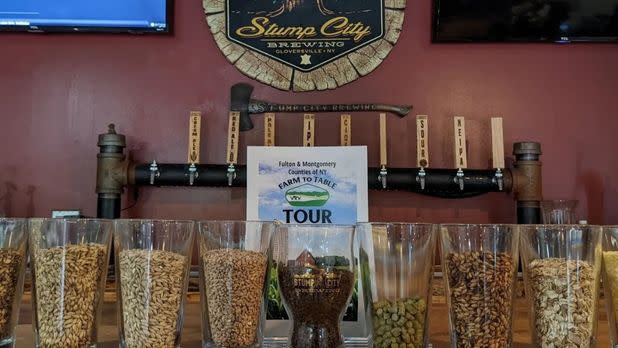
point(479, 267)
point(562, 265)
point(69, 267)
point(13, 249)
point(233, 262)
point(152, 270)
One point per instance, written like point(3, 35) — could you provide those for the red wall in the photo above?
point(57, 92)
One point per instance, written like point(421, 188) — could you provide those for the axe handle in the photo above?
point(258, 107)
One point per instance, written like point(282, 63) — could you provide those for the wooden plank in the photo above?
point(269, 129)
point(383, 150)
point(195, 128)
point(422, 146)
point(309, 130)
point(232, 138)
point(497, 142)
point(346, 130)
point(461, 158)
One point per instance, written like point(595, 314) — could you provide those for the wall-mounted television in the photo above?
point(133, 16)
point(525, 21)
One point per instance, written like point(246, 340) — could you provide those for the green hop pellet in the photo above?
point(399, 323)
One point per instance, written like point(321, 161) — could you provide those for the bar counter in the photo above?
point(191, 338)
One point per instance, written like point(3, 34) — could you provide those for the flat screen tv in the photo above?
point(133, 16)
point(525, 21)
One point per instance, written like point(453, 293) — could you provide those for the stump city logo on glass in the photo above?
point(304, 34)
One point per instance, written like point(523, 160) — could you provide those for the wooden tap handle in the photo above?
point(497, 142)
point(309, 130)
point(461, 158)
point(195, 128)
point(346, 130)
point(232, 138)
point(383, 152)
point(269, 129)
point(422, 146)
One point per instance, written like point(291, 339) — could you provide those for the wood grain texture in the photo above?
point(309, 130)
point(330, 76)
point(383, 148)
point(232, 138)
point(269, 129)
point(497, 142)
point(459, 130)
point(422, 146)
point(346, 130)
point(195, 129)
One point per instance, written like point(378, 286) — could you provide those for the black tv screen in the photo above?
point(525, 21)
point(139, 16)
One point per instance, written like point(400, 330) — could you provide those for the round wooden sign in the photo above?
point(305, 45)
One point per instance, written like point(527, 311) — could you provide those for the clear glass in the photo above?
point(233, 264)
point(559, 212)
point(13, 250)
point(69, 259)
point(562, 264)
point(316, 273)
point(479, 268)
point(397, 264)
point(610, 279)
point(152, 270)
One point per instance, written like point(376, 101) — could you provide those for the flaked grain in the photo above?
point(151, 286)
point(234, 281)
point(562, 294)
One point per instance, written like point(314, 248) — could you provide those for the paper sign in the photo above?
point(317, 185)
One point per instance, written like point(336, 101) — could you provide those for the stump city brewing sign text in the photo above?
point(304, 34)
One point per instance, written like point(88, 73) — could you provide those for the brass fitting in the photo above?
point(112, 165)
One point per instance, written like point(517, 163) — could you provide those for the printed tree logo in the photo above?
point(307, 195)
point(291, 5)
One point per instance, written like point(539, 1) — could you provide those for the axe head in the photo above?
point(240, 98)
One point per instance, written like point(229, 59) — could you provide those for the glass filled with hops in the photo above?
point(396, 264)
point(152, 260)
point(233, 264)
point(69, 267)
point(13, 249)
point(562, 266)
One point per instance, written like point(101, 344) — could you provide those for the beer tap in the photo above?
point(195, 122)
point(232, 146)
point(461, 161)
point(422, 148)
point(497, 148)
point(383, 152)
point(346, 130)
point(154, 172)
point(269, 129)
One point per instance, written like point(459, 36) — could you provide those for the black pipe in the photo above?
point(528, 213)
point(108, 206)
point(438, 182)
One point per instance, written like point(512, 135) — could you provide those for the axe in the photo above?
point(241, 102)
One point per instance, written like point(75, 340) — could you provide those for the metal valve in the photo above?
point(382, 177)
point(231, 174)
point(460, 179)
point(154, 172)
point(192, 174)
point(499, 179)
point(420, 178)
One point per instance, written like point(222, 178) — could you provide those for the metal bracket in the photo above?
point(231, 174)
point(459, 179)
point(154, 172)
point(420, 178)
point(382, 177)
point(499, 179)
point(192, 174)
